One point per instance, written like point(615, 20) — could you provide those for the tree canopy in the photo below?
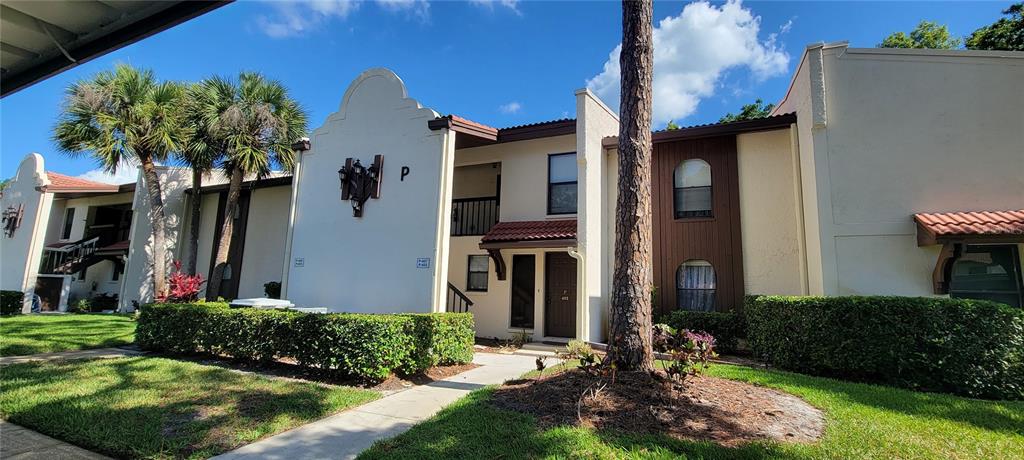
point(1005, 34)
point(927, 35)
point(758, 109)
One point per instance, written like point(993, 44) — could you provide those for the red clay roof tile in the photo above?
point(973, 223)
point(60, 182)
point(531, 230)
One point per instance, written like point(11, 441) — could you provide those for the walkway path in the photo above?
point(19, 443)
point(78, 354)
point(347, 434)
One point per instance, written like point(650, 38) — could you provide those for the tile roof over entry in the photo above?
point(62, 183)
point(531, 230)
point(1008, 225)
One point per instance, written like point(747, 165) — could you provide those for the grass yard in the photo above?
point(862, 421)
point(159, 408)
point(32, 334)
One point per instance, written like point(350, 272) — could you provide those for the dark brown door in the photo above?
point(524, 268)
point(233, 271)
point(48, 289)
point(559, 295)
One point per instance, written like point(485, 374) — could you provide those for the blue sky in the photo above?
point(500, 63)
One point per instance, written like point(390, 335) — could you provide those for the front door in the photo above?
point(559, 295)
point(523, 282)
point(49, 288)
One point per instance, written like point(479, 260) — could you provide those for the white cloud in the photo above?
point(511, 107)
point(295, 18)
point(691, 53)
point(489, 4)
point(416, 8)
point(125, 174)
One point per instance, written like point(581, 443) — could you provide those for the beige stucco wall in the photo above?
point(265, 234)
point(524, 173)
point(773, 258)
point(476, 181)
point(82, 214)
point(890, 133)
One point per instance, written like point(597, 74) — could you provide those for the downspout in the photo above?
point(302, 146)
point(582, 302)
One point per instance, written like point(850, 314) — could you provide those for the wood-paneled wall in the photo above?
point(715, 239)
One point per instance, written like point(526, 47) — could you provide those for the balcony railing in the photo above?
point(67, 259)
point(474, 216)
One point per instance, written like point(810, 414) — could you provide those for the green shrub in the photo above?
point(365, 346)
point(11, 302)
point(726, 327)
point(967, 347)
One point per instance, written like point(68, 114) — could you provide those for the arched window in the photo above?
point(692, 189)
point(695, 286)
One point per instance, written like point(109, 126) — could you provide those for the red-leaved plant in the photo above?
point(689, 352)
point(183, 287)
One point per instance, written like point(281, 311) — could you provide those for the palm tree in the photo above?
point(124, 117)
point(629, 344)
point(200, 152)
point(257, 122)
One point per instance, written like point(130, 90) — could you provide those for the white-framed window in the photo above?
point(695, 286)
point(476, 279)
point(691, 184)
point(562, 183)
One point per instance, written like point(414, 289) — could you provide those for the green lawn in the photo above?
point(863, 421)
point(31, 334)
point(159, 408)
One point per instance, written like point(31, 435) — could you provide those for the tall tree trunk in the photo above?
point(629, 346)
point(224, 245)
point(193, 231)
point(157, 220)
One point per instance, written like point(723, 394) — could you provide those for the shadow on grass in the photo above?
point(998, 416)
point(151, 407)
point(473, 428)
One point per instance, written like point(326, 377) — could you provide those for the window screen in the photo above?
point(988, 272)
point(691, 184)
point(478, 266)
point(562, 191)
point(695, 286)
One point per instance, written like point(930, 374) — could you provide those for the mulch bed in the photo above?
point(727, 412)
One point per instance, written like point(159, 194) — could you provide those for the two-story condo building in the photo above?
point(881, 172)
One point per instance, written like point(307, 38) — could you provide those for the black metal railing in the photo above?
point(457, 302)
point(66, 260)
point(474, 216)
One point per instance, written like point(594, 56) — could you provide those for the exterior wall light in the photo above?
point(360, 183)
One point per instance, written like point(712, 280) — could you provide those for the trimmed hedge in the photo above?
point(726, 327)
point(967, 347)
point(367, 346)
point(11, 302)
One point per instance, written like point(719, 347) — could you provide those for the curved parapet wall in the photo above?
point(22, 249)
point(391, 259)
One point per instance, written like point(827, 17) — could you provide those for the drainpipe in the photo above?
point(582, 302)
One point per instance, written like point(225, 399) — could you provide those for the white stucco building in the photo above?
point(880, 172)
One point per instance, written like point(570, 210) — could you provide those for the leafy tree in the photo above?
point(927, 34)
point(749, 112)
point(629, 344)
point(672, 125)
point(122, 117)
point(1004, 34)
point(201, 151)
point(257, 122)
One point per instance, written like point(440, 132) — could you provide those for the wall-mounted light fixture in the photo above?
point(359, 183)
point(12, 219)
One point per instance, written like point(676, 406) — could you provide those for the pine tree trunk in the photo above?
point(224, 245)
point(157, 220)
point(629, 346)
point(193, 235)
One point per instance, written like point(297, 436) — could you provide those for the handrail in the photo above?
point(65, 259)
point(457, 302)
point(474, 216)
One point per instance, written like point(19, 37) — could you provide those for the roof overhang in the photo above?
point(472, 134)
point(714, 130)
point(42, 39)
point(984, 227)
point(279, 181)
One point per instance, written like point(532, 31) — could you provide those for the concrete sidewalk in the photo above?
point(19, 443)
point(345, 435)
point(78, 354)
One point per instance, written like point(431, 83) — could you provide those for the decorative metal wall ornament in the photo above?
point(359, 183)
point(12, 219)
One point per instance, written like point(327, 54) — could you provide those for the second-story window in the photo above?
point(562, 190)
point(69, 220)
point(691, 185)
